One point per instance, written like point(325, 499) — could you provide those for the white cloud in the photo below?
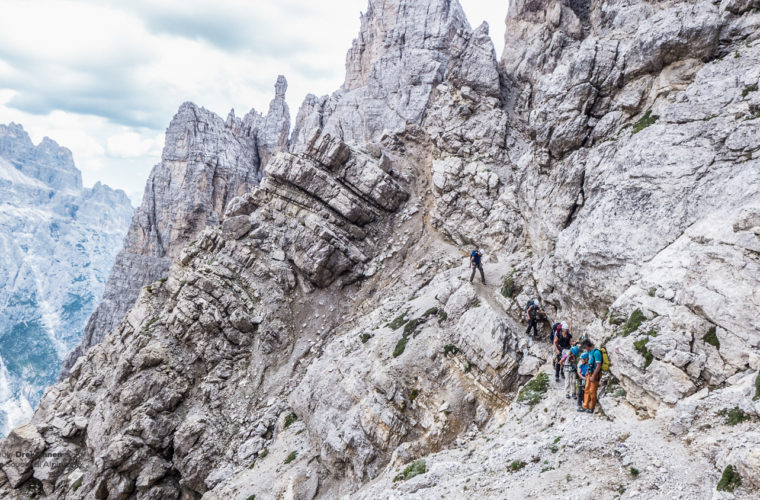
point(132, 145)
point(104, 78)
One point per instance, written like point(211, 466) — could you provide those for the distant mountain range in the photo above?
point(58, 241)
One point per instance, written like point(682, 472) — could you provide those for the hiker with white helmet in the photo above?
point(562, 341)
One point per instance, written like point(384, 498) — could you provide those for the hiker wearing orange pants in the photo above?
point(593, 374)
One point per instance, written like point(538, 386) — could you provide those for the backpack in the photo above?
point(529, 305)
point(555, 331)
point(605, 360)
point(475, 256)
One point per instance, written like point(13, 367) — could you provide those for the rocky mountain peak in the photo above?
point(59, 241)
point(402, 51)
point(48, 161)
point(205, 163)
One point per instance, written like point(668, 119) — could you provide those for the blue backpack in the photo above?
point(555, 331)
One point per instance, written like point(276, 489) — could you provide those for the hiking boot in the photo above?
point(556, 379)
point(581, 409)
point(589, 411)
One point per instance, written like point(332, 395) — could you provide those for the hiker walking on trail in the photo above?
point(475, 263)
point(532, 311)
point(562, 341)
point(593, 375)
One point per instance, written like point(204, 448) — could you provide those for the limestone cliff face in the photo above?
point(325, 334)
point(205, 163)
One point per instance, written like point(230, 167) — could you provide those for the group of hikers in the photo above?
point(580, 364)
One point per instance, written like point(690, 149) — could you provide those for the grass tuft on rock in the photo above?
point(442, 316)
point(509, 288)
point(292, 417)
point(641, 348)
point(450, 349)
point(749, 88)
point(616, 320)
point(400, 346)
point(430, 312)
point(645, 121)
point(634, 472)
point(292, 456)
point(734, 416)
point(414, 469)
point(365, 337)
point(411, 326)
point(757, 387)
point(711, 337)
point(534, 390)
point(516, 465)
point(398, 322)
point(729, 480)
point(634, 322)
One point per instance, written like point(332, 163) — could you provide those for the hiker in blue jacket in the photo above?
point(475, 263)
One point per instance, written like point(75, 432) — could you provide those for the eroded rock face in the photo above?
point(607, 166)
point(402, 51)
point(205, 163)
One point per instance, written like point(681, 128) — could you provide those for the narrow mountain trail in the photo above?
point(551, 450)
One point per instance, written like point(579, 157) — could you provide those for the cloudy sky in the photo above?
point(104, 78)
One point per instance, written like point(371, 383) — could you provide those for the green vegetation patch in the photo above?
point(634, 322)
point(749, 88)
point(729, 480)
point(534, 390)
point(516, 465)
point(450, 349)
point(757, 387)
point(414, 469)
point(616, 320)
point(413, 394)
point(398, 322)
point(711, 337)
point(430, 312)
point(411, 326)
point(634, 472)
point(442, 316)
point(734, 416)
point(400, 346)
point(292, 456)
point(365, 337)
point(509, 288)
point(292, 417)
point(645, 121)
point(641, 348)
